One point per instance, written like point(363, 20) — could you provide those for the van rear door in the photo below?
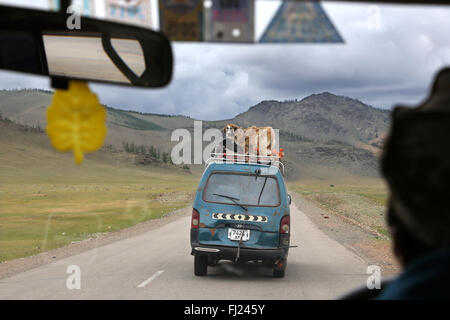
point(233, 200)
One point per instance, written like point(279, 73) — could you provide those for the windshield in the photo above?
point(248, 190)
point(118, 225)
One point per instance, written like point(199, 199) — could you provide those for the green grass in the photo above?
point(35, 217)
point(362, 200)
point(46, 201)
point(38, 217)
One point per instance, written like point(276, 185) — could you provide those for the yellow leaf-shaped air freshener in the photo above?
point(76, 121)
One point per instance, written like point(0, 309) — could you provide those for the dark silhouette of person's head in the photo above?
point(416, 165)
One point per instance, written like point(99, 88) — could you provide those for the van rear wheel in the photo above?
point(279, 269)
point(200, 265)
point(278, 273)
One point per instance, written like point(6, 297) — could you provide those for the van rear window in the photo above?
point(245, 189)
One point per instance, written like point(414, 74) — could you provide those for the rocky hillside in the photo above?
point(321, 117)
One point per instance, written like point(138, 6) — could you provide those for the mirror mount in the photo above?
point(152, 62)
point(117, 60)
point(61, 83)
point(64, 4)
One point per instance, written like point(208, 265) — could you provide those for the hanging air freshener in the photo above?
point(76, 121)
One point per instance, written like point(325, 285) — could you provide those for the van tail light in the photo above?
point(285, 224)
point(195, 219)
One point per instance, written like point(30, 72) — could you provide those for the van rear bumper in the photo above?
point(245, 254)
point(218, 252)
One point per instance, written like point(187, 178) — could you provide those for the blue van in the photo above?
point(241, 212)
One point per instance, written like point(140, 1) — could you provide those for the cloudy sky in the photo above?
point(390, 56)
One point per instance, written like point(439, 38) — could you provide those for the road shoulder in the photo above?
point(12, 267)
point(363, 242)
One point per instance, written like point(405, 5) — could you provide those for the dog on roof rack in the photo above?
point(229, 142)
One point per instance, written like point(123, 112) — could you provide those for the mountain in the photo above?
point(323, 134)
point(319, 117)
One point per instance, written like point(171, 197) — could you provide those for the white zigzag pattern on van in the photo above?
point(239, 217)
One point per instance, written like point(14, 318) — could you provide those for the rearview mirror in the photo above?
point(39, 42)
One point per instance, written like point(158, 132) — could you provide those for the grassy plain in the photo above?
point(357, 199)
point(46, 201)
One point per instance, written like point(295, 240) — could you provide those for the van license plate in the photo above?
point(236, 234)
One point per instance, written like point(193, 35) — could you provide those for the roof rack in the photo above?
point(236, 158)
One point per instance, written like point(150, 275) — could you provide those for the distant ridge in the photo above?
point(321, 117)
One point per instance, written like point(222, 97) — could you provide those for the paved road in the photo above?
point(158, 265)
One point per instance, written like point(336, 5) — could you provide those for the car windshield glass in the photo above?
point(124, 223)
point(245, 189)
